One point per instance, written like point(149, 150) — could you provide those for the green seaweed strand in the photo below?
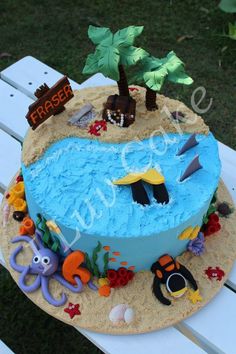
point(46, 238)
point(88, 263)
point(96, 250)
point(105, 261)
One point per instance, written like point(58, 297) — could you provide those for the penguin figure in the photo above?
point(174, 275)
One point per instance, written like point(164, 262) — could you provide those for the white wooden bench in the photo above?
point(212, 329)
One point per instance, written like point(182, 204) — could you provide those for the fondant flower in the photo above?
point(197, 246)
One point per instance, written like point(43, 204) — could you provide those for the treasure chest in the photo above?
point(119, 110)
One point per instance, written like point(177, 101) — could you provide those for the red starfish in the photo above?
point(214, 273)
point(73, 310)
point(133, 89)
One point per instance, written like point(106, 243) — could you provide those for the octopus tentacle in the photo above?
point(22, 238)
point(19, 268)
point(92, 286)
point(48, 296)
point(62, 281)
point(28, 288)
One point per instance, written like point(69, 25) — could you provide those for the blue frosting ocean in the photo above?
point(72, 182)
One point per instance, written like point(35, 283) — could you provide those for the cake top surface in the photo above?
point(73, 183)
point(146, 123)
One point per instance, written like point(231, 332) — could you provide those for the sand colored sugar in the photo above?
point(150, 314)
point(146, 124)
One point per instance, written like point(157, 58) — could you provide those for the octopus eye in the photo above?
point(45, 260)
point(36, 259)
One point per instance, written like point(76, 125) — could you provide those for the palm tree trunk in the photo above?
point(123, 83)
point(151, 100)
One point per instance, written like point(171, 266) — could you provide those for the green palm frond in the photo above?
point(155, 71)
point(113, 50)
point(228, 6)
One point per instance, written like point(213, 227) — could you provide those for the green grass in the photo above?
point(55, 32)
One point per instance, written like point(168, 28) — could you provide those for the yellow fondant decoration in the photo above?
point(186, 233)
point(195, 232)
point(153, 177)
point(194, 296)
point(11, 199)
point(20, 205)
point(129, 179)
point(18, 190)
point(53, 226)
point(103, 281)
point(150, 176)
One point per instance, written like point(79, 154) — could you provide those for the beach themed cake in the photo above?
point(119, 198)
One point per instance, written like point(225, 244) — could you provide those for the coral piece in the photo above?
point(72, 310)
point(191, 142)
point(120, 277)
point(186, 233)
point(104, 290)
point(97, 126)
point(6, 214)
point(27, 227)
point(224, 209)
point(197, 246)
point(71, 268)
point(45, 265)
point(212, 226)
point(18, 215)
point(191, 169)
point(215, 273)
point(194, 296)
point(19, 204)
point(174, 275)
point(103, 281)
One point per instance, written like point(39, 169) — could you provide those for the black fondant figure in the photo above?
point(174, 275)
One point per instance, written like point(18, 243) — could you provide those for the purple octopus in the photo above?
point(45, 265)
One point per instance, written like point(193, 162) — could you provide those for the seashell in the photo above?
point(129, 315)
point(6, 214)
point(117, 313)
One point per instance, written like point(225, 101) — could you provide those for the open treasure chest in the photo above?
point(119, 110)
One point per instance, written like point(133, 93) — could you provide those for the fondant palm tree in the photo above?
point(153, 73)
point(113, 53)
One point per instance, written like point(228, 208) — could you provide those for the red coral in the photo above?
point(217, 273)
point(122, 272)
point(98, 125)
point(120, 277)
point(214, 218)
point(212, 225)
point(111, 275)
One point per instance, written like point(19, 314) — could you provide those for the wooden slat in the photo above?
point(10, 157)
point(168, 340)
point(4, 349)
point(97, 80)
point(214, 325)
point(29, 73)
point(13, 108)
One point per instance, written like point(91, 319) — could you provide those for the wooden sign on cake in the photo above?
point(50, 102)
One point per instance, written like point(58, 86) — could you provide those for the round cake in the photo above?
point(118, 200)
